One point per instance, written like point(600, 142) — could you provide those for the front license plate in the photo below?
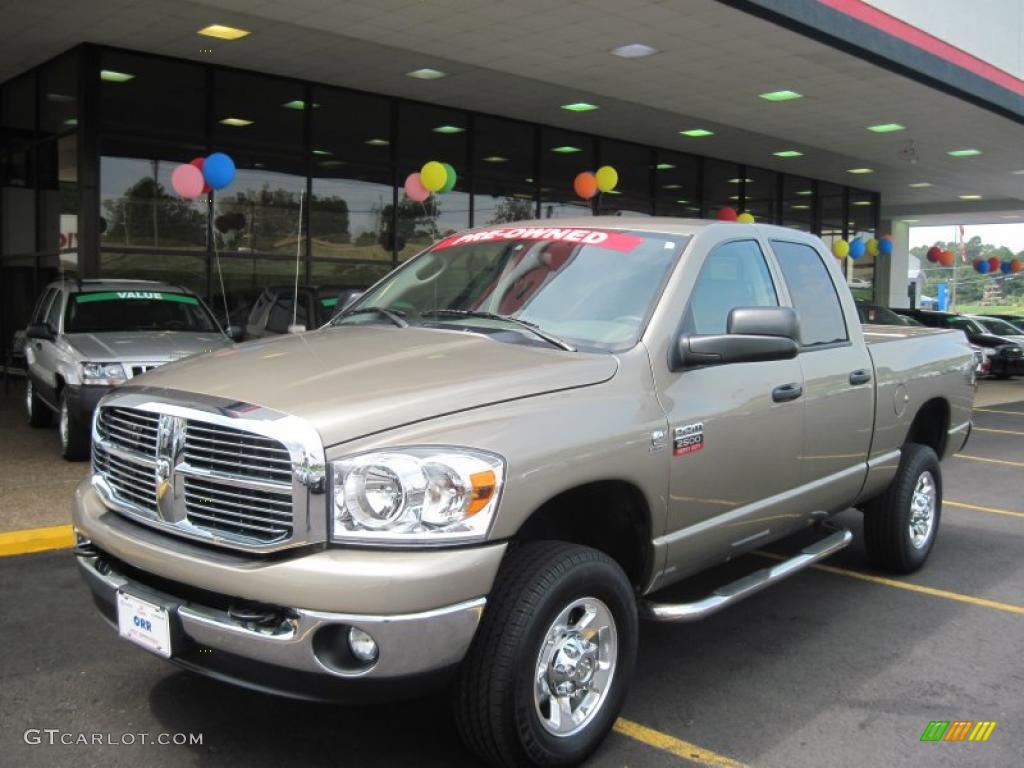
point(144, 624)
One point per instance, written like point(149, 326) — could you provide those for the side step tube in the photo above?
point(732, 593)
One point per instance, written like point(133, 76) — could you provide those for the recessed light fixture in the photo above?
point(737, 181)
point(886, 128)
point(910, 221)
point(426, 73)
point(580, 106)
point(224, 32)
point(1018, 173)
point(695, 133)
point(495, 159)
point(566, 149)
point(664, 167)
point(236, 122)
point(298, 104)
point(322, 152)
point(529, 181)
point(634, 51)
point(920, 184)
point(861, 202)
point(788, 153)
point(613, 192)
point(860, 170)
point(113, 76)
point(672, 186)
point(800, 207)
point(780, 95)
point(448, 129)
point(60, 98)
point(682, 202)
point(963, 152)
point(377, 142)
point(970, 197)
point(734, 197)
point(805, 192)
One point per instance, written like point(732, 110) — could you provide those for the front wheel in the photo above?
point(900, 526)
point(551, 663)
point(74, 438)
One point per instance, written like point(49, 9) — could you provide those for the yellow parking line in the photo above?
point(999, 431)
point(995, 510)
point(672, 745)
point(990, 461)
point(36, 540)
point(994, 410)
point(920, 589)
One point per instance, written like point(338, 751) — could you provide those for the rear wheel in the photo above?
point(900, 526)
point(74, 437)
point(38, 412)
point(551, 663)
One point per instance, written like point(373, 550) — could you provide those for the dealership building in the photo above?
point(841, 117)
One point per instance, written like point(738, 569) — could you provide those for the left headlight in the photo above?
point(415, 495)
point(103, 373)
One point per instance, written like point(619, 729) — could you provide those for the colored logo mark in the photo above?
point(958, 730)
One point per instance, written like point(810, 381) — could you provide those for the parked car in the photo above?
point(1000, 327)
point(87, 337)
point(476, 477)
point(875, 314)
point(1017, 321)
point(1005, 357)
point(270, 312)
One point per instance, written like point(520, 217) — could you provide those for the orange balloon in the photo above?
point(946, 259)
point(585, 185)
point(1016, 265)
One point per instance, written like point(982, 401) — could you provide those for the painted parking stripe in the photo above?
point(979, 508)
point(36, 540)
point(919, 588)
point(674, 746)
point(996, 410)
point(989, 460)
point(999, 431)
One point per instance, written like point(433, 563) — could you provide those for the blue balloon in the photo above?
point(857, 248)
point(885, 247)
point(219, 170)
point(984, 267)
point(1005, 268)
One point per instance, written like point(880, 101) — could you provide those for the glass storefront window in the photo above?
point(632, 195)
point(676, 185)
point(504, 189)
point(797, 203)
point(184, 269)
point(58, 204)
point(152, 96)
point(563, 154)
point(721, 187)
point(18, 112)
point(257, 110)
point(860, 273)
point(58, 95)
point(760, 192)
point(348, 127)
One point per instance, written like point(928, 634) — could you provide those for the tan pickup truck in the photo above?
point(483, 472)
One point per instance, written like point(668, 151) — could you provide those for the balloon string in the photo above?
point(220, 273)
point(298, 249)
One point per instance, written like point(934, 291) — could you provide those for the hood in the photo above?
point(988, 340)
point(348, 382)
point(144, 346)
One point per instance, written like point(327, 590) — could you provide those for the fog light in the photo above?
point(363, 646)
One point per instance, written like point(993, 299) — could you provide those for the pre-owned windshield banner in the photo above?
point(85, 298)
point(616, 241)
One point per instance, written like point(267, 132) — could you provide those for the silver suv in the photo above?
point(86, 337)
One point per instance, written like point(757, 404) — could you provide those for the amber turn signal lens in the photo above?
point(483, 489)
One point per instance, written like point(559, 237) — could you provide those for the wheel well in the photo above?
point(609, 515)
point(930, 425)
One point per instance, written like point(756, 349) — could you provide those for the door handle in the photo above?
point(860, 376)
point(787, 392)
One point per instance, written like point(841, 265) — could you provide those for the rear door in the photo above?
point(839, 394)
point(46, 351)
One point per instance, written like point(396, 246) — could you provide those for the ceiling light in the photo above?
point(60, 98)
point(224, 32)
point(963, 152)
point(298, 104)
point(920, 184)
point(633, 51)
point(331, 163)
point(672, 186)
point(495, 159)
point(236, 122)
point(377, 142)
point(734, 197)
point(529, 181)
point(427, 74)
point(970, 197)
point(737, 181)
point(788, 153)
point(613, 192)
point(448, 129)
point(580, 106)
point(113, 76)
point(682, 202)
point(72, 121)
point(694, 133)
point(322, 152)
point(860, 170)
point(861, 202)
point(664, 167)
point(800, 207)
point(886, 128)
point(780, 95)
point(566, 149)
point(805, 192)
point(1018, 173)
point(910, 221)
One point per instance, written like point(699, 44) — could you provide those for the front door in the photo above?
point(734, 445)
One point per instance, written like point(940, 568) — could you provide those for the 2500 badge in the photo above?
point(688, 439)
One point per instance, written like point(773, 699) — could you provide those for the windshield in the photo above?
point(587, 287)
point(999, 327)
point(964, 324)
point(103, 311)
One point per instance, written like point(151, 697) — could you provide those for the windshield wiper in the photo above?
point(396, 316)
point(531, 327)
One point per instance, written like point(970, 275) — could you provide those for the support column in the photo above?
point(891, 271)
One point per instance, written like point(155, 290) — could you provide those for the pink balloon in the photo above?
point(187, 181)
point(414, 188)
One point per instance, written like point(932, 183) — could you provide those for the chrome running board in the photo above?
point(734, 592)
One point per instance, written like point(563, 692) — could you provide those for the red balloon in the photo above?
point(585, 185)
point(727, 213)
point(993, 263)
point(947, 259)
point(934, 254)
point(1016, 265)
point(198, 163)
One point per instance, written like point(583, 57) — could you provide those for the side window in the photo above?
point(734, 275)
point(814, 296)
point(39, 313)
point(53, 316)
point(281, 314)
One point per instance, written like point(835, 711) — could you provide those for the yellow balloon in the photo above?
point(745, 218)
point(872, 247)
point(607, 178)
point(840, 248)
point(433, 176)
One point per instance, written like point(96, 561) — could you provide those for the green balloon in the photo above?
point(450, 184)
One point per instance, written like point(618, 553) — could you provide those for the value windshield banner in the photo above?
point(85, 298)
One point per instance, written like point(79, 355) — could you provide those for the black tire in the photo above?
point(887, 519)
point(38, 413)
point(74, 436)
point(495, 709)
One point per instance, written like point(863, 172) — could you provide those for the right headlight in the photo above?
point(103, 373)
point(417, 495)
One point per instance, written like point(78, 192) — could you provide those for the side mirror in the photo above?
point(41, 332)
point(236, 333)
point(754, 335)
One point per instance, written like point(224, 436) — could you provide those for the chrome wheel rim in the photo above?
point(28, 398)
point(64, 423)
point(575, 666)
point(922, 510)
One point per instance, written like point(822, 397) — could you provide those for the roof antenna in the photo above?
point(295, 327)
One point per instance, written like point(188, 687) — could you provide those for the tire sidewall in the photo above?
point(921, 460)
point(604, 581)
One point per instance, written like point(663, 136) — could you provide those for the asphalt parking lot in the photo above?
point(836, 666)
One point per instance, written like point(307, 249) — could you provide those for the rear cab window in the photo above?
point(813, 293)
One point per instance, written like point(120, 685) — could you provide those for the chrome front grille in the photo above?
point(197, 474)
